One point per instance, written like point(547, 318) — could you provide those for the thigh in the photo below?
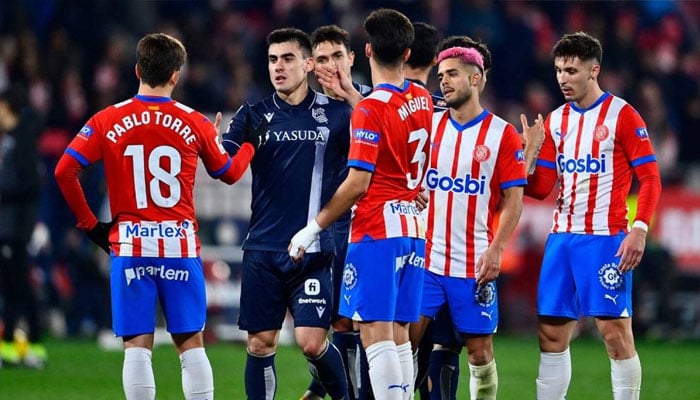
point(411, 276)
point(369, 288)
point(182, 294)
point(602, 290)
point(311, 289)
point(263, 304)
point(134, 293)
point(556, 289)
point(473, 308)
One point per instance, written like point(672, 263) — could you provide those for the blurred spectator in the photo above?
point(19, 195)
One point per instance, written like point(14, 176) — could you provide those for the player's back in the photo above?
point(150, 148)
point(391, 138)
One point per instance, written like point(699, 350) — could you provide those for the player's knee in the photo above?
point(261, 345)
point(313, 347)
point(618, 344)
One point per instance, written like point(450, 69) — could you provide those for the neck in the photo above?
point(467, 111)
point(386, 74)
point(417, 74)
point(296, 96)
point(158, 91)
point(591, 97)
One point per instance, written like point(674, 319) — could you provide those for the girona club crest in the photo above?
point(481, 153)
point(601, 133)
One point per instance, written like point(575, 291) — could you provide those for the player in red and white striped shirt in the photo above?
point(593, 146)
point(476, 163)
point(150, 146)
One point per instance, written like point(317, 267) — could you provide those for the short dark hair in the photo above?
point(469, 43)
point(579, 44)
point(283, 35)
point(424, 46)
point(390, 35)
point(330, 33)
point(159, 55)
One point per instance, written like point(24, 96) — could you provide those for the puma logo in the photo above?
point(487, 314)
point(613, 299)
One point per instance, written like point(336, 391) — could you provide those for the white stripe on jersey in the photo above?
point(586, 182)
point(169, 239)
point(184, 108)
point(381, 95)
point(403, 219)
point(460, 189)
point(123, 103)
point(316, 186)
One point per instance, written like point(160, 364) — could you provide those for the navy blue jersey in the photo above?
point(297, 171)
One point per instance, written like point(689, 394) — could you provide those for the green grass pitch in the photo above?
point(79, 370)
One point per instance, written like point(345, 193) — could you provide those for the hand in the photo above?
point(533, 137)
point(422, 200)
point(255, 136)
point(488, 266)
point(631, 250)
point(302, 240)
point(332, 78)
point(99, 234)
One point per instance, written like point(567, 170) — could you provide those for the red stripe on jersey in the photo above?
point(471, 202)
point(563, 129)
point(593, 186)
point(434, 152)
point(448, 217)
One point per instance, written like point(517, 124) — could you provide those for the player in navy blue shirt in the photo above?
point(331, 50)
point(294, 174)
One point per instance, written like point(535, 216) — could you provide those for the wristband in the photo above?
point(639, 224)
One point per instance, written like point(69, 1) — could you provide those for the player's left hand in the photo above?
point(631, 250)
point(302, 240)
point(332, 78)
point(488, 266)
point(422, 199)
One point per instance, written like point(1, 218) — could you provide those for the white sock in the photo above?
point(385, 370)
point(137, 374)
point(483, 381)
point(626, 376)
point(406, 359)
point(554, 375)
point(197, 376)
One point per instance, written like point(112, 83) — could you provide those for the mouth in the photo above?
point(279, 79)
point(567, 91)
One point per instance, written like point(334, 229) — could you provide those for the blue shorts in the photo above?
point(473, 308)
point(176, 283)
point(272, 284)
point(579, 277)
point(383, 280)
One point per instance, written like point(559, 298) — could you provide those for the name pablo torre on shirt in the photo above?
point(160, 118)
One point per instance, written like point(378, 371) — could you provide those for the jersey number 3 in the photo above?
point(154, 190)
point(419, 157)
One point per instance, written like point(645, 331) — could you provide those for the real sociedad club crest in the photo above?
point(349, 276)
point(485, 295)
point(319, 115)
point(609, 276)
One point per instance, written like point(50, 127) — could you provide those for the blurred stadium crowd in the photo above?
point(76, 57)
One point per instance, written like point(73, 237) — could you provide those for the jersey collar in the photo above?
point(594, 105)
point(152, 99)
point(392, 88)
point(307, 103)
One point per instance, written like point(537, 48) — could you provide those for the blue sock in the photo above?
point(260, 377)
point(444, 374)
point(329, 370)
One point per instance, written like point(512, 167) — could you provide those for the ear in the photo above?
point(351, 57)
point(368, 50)
point(174, 78)
point(595, 70)
point(406, 54)
point(309, 64)
point(137, 72)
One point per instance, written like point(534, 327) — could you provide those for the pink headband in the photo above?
point(467, 55)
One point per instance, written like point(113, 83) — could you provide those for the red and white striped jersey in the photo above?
point(390, 133)
point(594, 152)
point(469, 166)
point(150, 147)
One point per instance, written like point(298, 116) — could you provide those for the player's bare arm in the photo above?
point(533, 137)
point(352, 188)
point(489, 264)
